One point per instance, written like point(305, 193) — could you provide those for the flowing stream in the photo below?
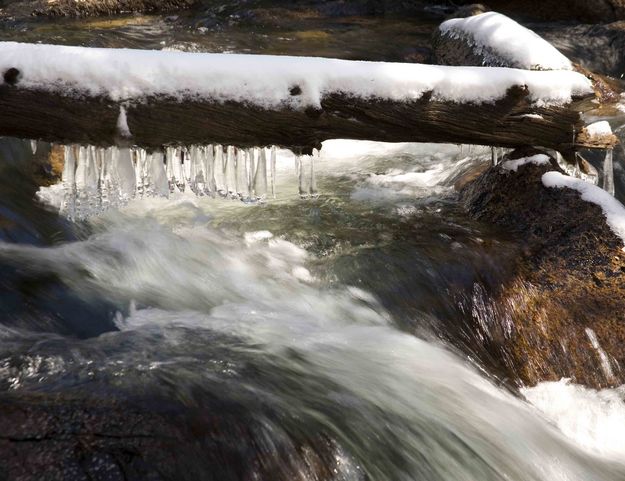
point(321, 310)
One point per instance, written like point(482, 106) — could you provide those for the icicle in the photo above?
point(260, 176)
point(188, 168)
point(219, 171)
point(181, 177)
point(194, 173)
point(159, 183)
point(69, 179)
point(103, 188)
point(33, 146)
point(608, 172)
point(93, 169)
point(313, 181)
point(493, 155)
point(126, 173)
point(175, 170)
point(273, 171)
point(69, 165)
point(210, 187)
point(122, 123)
point(242, 182)
point(250, 166)
point(81, 167)
point(302, 188)
point(230, 170)
point(141, 172)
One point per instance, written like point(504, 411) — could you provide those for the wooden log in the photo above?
point(160, 120)
point(150, 99)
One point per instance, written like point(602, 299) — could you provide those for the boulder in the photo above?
point(49, 437)
point(562, 315)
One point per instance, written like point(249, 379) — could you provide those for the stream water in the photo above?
point(337, 321)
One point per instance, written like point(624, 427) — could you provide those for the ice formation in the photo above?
point(130, 75)
point(95, 179)
point(505, 41)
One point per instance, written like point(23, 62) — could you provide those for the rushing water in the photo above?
point(332, 327)
point(301, 313)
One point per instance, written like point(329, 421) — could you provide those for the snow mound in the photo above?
point(499, 36)
point(598, 129)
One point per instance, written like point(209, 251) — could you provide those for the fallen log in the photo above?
point(150, 99)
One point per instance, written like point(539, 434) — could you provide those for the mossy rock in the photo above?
point(568, 293)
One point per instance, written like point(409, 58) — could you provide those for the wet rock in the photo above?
point(71, 437)
point(595, 47)
point(563, 313)
point(582, 10)
point(39, 301)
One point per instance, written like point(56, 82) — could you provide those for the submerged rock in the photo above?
point(563, 314)
point(77, 437)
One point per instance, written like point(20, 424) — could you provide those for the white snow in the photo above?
point(499, 36)
point(599, 128)
point(267, 81)
point(513, 165)
point(612, 208)
point(595, 420)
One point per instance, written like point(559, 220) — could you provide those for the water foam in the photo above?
point(593, 419)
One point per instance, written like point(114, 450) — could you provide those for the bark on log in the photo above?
point(157, 121)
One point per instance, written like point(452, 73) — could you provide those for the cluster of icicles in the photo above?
point(96, 179)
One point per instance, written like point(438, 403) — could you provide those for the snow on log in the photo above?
point(154, 98)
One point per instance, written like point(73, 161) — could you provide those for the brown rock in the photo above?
point(563, 314)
